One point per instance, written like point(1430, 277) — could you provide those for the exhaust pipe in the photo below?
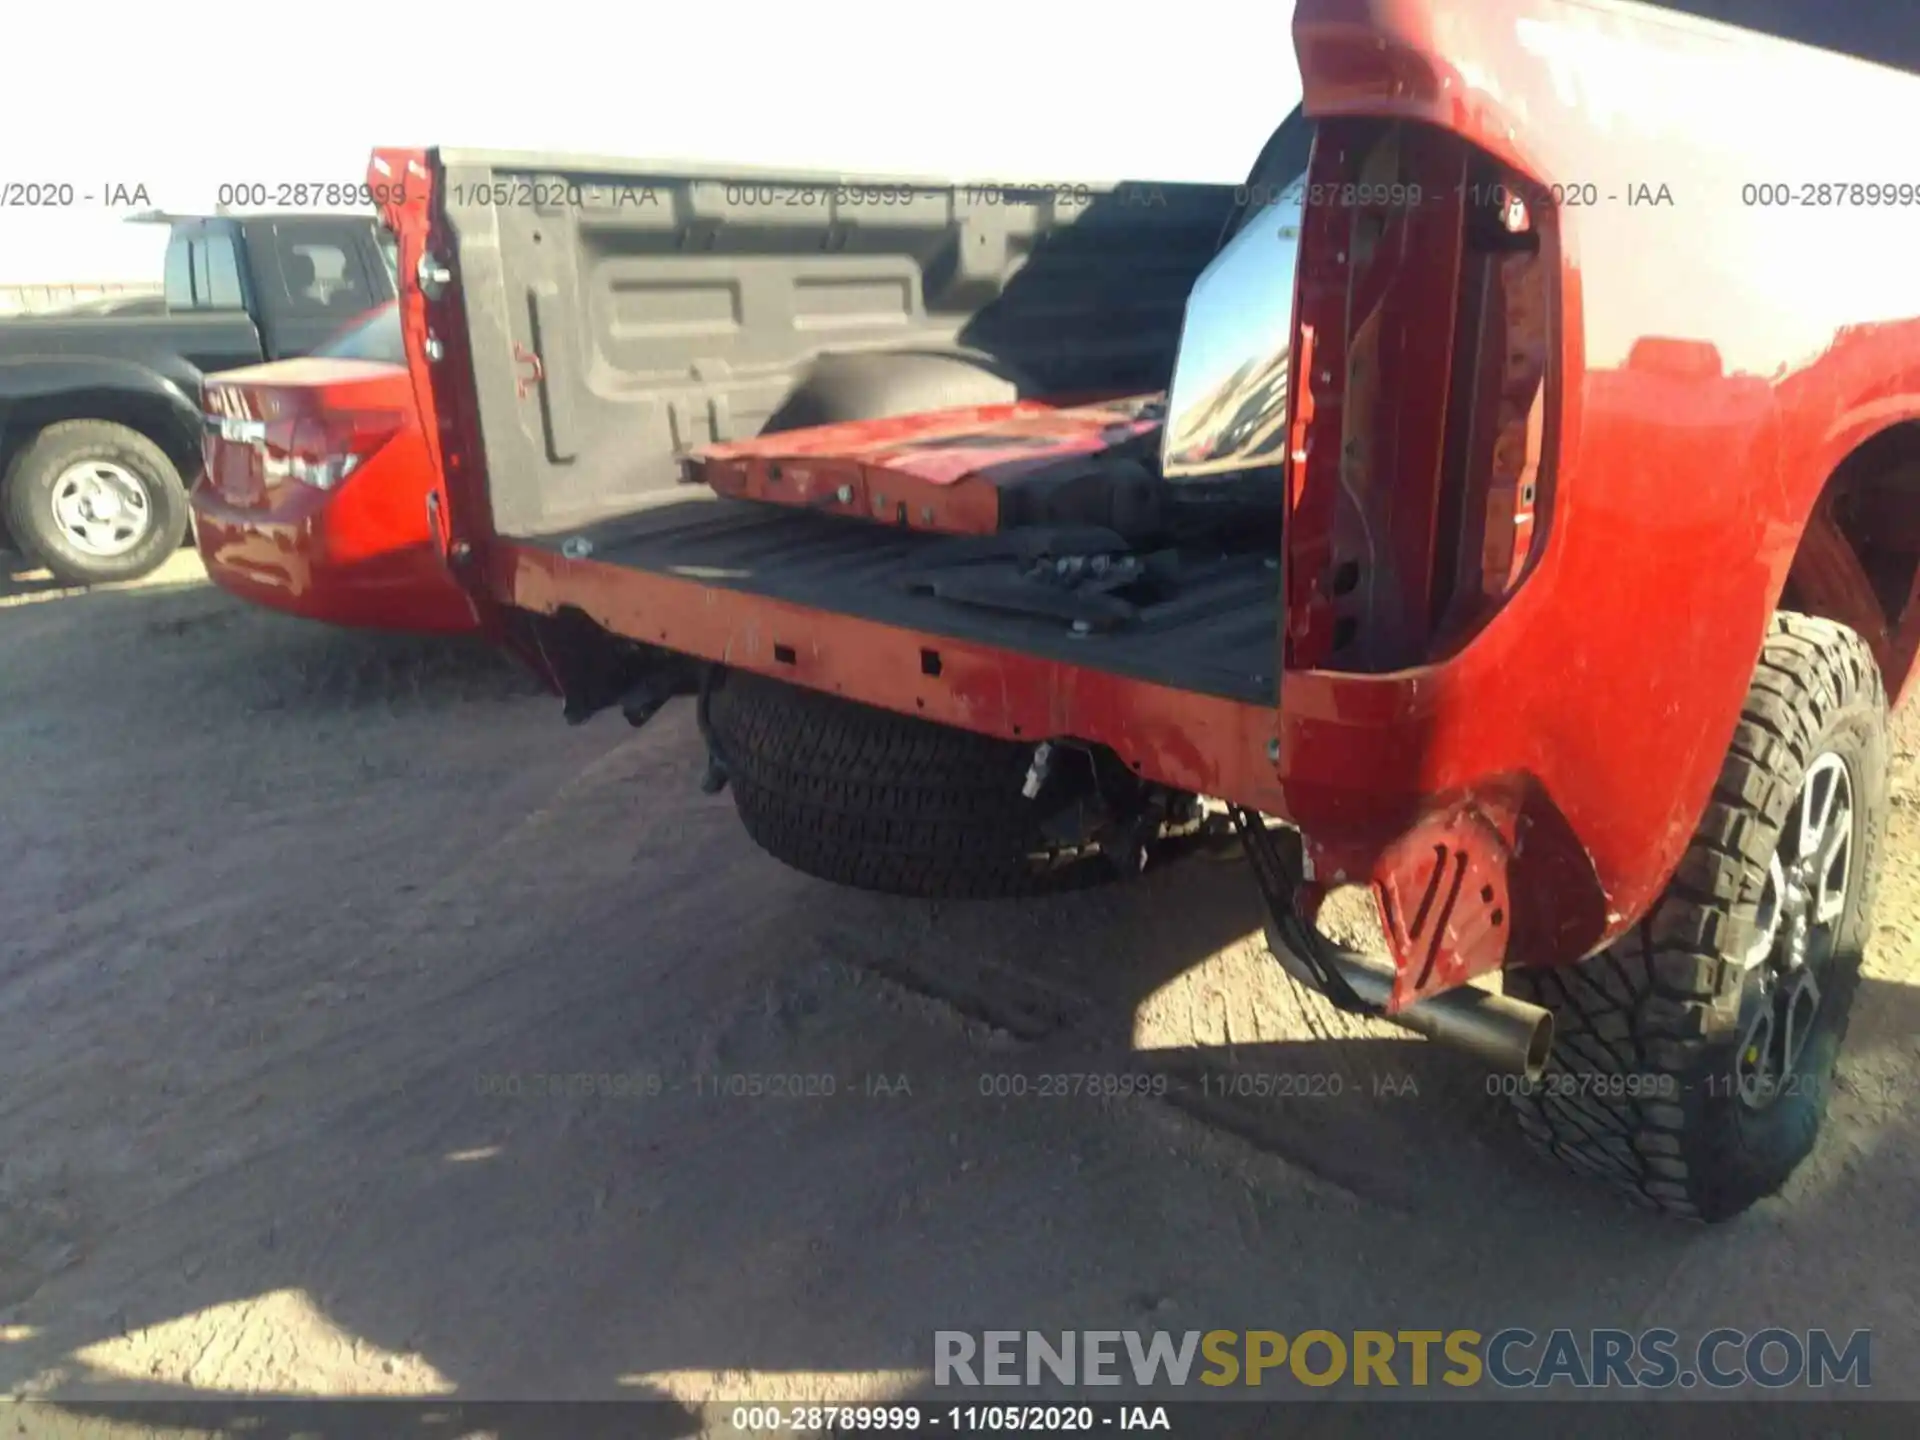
point(1505, 1034)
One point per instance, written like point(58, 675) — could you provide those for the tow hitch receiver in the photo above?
point(1504, 1033)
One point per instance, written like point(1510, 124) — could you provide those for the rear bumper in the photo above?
point(330, 556)
point(1471, 859)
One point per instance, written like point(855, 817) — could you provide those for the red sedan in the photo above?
point(314, 494)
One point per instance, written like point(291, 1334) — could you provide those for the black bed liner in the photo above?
point(1218, 636)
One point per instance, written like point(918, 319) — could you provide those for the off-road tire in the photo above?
point(1656, 1012)
point(27, 497)
point(880, 801)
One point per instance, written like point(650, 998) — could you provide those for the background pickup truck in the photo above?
point(1526, 532)
point(100, 416)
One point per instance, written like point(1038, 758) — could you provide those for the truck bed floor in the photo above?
point(1220, 636)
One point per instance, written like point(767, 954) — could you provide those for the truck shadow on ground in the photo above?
point(296, 1103)
point(1166, 984)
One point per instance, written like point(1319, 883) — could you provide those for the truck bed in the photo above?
point(623, 314)
point(1219, 636)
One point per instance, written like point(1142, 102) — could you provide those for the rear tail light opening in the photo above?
point(316, 449)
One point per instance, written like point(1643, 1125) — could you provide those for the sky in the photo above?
point(183, 99)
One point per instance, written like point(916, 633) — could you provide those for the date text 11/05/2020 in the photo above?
point(1756, 1089)
point(1357, 195)
point(816, 1419)
point(1119, 1084)
point(533, 193)
point(1587, 194)
point(822, 1085)
point(703, 1085)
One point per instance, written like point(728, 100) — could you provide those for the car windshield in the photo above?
point(374, 336)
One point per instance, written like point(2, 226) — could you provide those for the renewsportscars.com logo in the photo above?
point(1509, 1359)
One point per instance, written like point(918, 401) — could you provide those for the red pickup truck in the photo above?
point(1505, 500)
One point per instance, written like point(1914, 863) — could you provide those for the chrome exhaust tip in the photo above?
point(1507, 1035)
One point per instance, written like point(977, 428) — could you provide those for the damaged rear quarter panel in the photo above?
point(1608, 687)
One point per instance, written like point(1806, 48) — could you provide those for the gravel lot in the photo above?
point(281, 906)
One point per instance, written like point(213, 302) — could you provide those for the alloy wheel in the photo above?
point(1800, 911)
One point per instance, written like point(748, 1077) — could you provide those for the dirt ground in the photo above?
point(283, 910)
